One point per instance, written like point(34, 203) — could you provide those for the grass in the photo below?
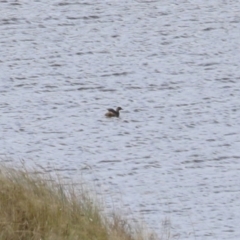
point(34, 208)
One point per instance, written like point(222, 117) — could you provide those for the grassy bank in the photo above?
point(34, 208)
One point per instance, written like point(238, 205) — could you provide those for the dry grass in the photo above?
point(34, 208)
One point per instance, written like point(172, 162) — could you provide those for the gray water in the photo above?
point(173, 66)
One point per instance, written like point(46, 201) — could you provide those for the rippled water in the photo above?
point(173, 66)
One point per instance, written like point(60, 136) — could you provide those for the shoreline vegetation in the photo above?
point(34, 207)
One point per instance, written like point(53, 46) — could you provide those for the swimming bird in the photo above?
point(113, 113)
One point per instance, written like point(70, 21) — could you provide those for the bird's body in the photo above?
point(113, 113)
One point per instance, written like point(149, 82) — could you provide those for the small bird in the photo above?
point(113, 113)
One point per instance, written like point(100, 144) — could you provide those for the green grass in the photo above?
point(34, 208)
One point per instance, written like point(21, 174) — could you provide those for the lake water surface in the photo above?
point(173, 66)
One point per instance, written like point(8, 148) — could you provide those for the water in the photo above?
point(173, 66)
